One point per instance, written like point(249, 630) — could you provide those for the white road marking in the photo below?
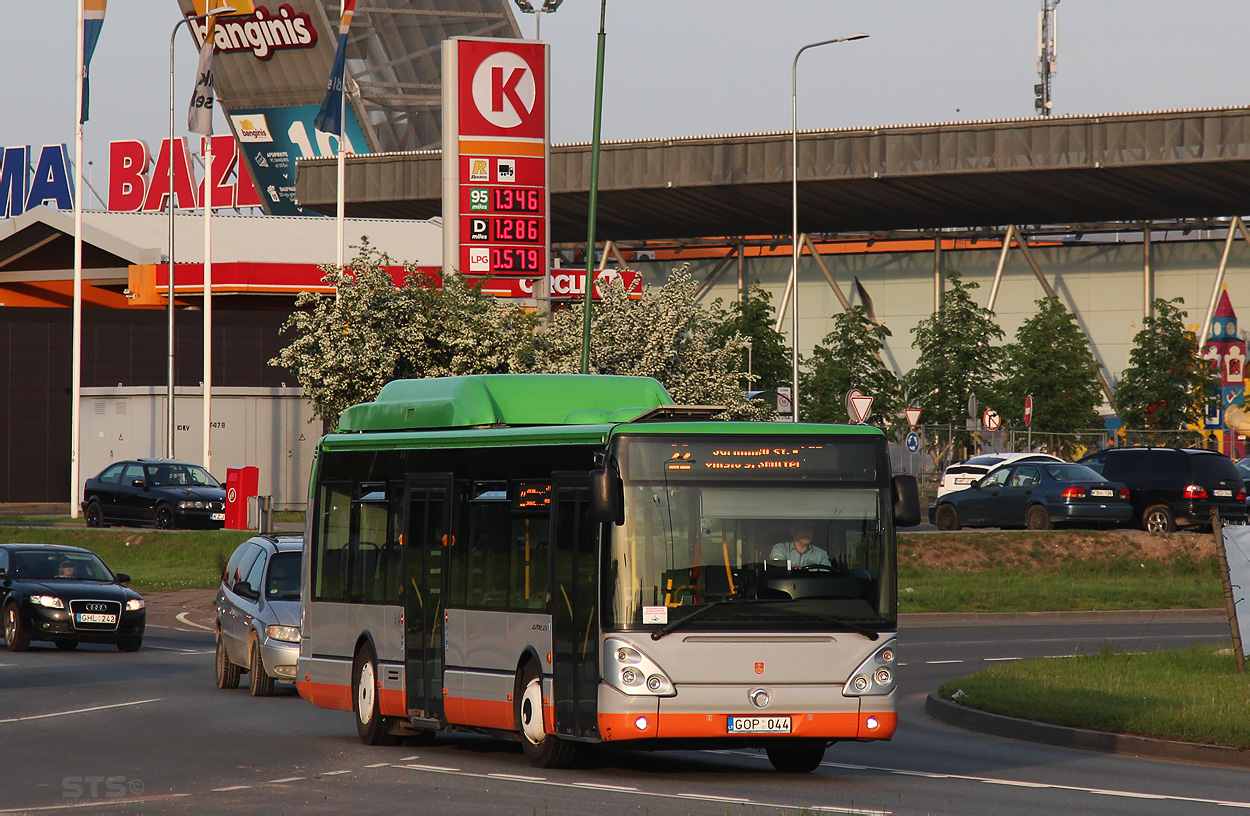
point(171, 628)
point(1021, 784)
point(999, 659)
point(517, 777)
point(602, 786)
point(231, 788)
point(286, 779)
point(181, 616)
point(936, 662)
point(181, 651)
point(80, 710)
point(378, 765)
point(100, 803)
point(685, 797)
point(410, 759)
point(333, 773)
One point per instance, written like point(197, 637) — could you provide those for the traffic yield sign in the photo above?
point(1028, 410)
point(858, 405)
point(991, 420)
point(913, 416)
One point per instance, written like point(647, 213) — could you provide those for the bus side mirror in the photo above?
point(607, 496)
point(906, 501)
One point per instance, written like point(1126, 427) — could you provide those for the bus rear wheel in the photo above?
point(796, 755)
point(543, 750)
point(373, 728)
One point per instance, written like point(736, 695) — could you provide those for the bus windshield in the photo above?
point(783, 534)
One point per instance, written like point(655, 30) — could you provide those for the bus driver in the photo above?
point(798, 551)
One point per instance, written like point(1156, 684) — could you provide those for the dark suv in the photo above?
point(1174, 487)
point(161, 493)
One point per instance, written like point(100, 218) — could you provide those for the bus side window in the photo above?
point(529, 563)
point(333, 535)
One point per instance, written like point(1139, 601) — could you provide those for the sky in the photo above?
point(703, 67)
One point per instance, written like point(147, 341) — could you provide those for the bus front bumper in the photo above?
point(819, 712)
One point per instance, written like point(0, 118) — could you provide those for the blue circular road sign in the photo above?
point(913, 442)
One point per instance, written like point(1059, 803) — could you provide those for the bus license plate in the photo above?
point(759, 725)
point(219, 516)
point(92, 617)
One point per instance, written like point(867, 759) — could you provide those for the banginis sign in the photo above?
point(262, 32)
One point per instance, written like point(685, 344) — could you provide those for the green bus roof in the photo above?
point(506, 399)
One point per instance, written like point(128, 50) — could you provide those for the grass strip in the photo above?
point(154, 559)
point(1191, 695)
point(1092, 587)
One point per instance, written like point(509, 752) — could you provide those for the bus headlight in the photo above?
point(631, 672)
point(876, 674)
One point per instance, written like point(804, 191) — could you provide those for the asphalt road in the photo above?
point(102, 731)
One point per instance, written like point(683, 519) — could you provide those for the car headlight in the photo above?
point(193, 505)
point(134, 604)
point(50, 601)
point(290, 634)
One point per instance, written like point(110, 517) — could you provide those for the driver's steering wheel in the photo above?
point(821, 568)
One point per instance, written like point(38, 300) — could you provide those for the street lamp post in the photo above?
point(794, 209)
point(169, 408)
point(547, 7)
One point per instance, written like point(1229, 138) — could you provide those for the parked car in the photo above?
point(68, 596)
point(961, 474)
point(161, 493)
point(258, 613)
point(1174, 487)
point(1034, 494)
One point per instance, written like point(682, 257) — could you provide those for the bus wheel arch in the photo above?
point(543, 750)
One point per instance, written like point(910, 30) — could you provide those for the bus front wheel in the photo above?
point(796, 755)
point(543, 750)
point(373, 728)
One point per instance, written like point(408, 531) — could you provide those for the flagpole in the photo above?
point(208, 299)
point(169, 392)
point(342, 156)
point(76, 409)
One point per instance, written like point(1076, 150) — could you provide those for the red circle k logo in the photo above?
point(504, 90)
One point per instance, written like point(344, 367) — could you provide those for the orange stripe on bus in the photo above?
point(692, 726)
point(392, 703)
point(481, 713)
point(326, 695)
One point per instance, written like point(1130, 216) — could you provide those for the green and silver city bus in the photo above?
point(565, 559)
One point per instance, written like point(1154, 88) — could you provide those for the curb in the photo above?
point(1066, 737)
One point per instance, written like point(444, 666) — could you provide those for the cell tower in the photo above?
point(1047, 56)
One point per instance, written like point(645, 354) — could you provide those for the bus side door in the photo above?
point(427, 534)
point(574, 607)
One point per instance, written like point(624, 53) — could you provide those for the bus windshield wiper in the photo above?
point(672, 625)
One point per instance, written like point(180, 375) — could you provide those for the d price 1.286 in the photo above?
point(516, 259)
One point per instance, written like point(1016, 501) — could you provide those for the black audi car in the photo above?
point(161, 493)
point(68, 596)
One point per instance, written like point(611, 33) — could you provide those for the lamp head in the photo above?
point(857, 36)
point(551, 5)
point(525, 6)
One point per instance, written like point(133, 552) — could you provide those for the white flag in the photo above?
point(200, 113)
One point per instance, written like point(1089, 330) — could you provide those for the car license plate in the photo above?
point(1223, 494)
point(94, 617)
point(964, 479)
point(759, 725)
point(219, 516)
point(1101, 491)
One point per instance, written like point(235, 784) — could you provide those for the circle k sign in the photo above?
point(504, 92)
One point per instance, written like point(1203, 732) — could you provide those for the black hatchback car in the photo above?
point(68, 596)
point(1174, 487)
point(161, 493)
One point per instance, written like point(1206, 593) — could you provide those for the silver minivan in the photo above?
point(258, 613)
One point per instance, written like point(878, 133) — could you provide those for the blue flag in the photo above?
point(330, 117)
point(93, 21)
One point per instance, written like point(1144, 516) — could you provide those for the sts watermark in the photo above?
point(99, 787)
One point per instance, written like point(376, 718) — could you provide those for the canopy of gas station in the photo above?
point(1073, 174)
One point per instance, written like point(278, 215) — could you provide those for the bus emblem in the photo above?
point(759, 667)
